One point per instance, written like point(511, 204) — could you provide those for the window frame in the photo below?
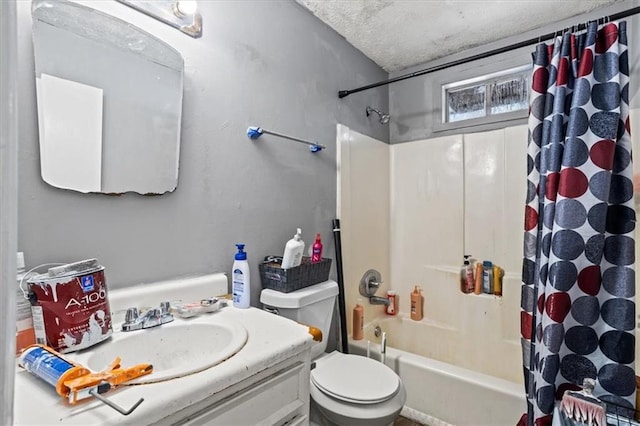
point(488, 80)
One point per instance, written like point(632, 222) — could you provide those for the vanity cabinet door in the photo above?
point(279, 396)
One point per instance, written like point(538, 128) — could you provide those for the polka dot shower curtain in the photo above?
point(577, 318)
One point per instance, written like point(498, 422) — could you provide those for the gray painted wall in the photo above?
point(415, 103)
point(265, 63)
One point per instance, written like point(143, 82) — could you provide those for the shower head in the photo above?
point(382, 117)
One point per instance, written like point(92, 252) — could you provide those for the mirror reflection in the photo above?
point(109, 101)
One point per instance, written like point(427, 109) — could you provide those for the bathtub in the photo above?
point(439, 393)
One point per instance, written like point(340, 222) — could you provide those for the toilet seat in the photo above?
point(355, 379)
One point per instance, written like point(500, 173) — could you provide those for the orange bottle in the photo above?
point(416, 304)
point(479, 271)
point(358, 321)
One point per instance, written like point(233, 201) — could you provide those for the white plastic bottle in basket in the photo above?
point(293, 251)
point(241, 279)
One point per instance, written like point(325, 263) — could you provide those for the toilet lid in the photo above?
point(355, 379)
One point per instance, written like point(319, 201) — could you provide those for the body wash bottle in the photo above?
point(293, 251)
point(416, 304)
point(241, 285)
point(467, 284)
point(358, 321)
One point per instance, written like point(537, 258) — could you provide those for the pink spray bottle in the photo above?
point(316, 250)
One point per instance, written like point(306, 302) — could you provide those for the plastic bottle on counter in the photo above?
point(316, 251)
point(293, 251)
point(467, 284)
point(487, 277)
point(241, 276)
point(358, 321)
point(417, 302)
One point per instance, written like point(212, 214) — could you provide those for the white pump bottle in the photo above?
point(241, 285)
point(293, 251)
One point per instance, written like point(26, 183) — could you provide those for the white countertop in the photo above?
point(271, 339)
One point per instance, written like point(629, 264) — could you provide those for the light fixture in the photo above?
point(181, 14)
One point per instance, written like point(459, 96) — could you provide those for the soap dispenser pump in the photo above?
point(467, 283)
point(293, 251)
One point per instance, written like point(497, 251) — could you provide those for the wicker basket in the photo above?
point(288, 280)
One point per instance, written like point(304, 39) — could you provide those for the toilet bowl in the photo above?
point(354, 390)
point(347, 390)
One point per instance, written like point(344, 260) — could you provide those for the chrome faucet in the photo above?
point(369, 284)
point(151, 318)
point(376, 300)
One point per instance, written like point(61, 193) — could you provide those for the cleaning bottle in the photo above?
point(467, 284)
point(358, 320)
point(293, 251)
point(316, 251)
point(416, 304)
point(241, 287)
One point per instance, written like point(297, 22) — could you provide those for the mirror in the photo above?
point(109, 101)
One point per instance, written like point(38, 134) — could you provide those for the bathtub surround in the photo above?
point(578, 318)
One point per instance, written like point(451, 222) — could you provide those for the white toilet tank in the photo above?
point(311, 305)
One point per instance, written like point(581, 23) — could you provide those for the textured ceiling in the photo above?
point(399, 34)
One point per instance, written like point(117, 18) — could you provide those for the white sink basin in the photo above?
point(176, 349)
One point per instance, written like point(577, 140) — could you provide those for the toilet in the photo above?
point(345, 389)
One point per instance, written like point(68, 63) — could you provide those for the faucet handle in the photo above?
point(131, 315)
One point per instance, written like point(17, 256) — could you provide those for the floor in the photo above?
point(403, 421)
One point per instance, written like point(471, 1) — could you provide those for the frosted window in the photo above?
point(467, 103)
point(487, 96)
point(510, 95)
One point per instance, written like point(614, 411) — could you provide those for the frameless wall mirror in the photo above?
point(109, 102)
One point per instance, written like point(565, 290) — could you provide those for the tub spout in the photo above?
point(375, 300)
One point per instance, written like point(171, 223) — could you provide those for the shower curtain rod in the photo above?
point(613, 17)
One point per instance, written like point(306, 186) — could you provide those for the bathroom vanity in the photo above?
point(265, 382)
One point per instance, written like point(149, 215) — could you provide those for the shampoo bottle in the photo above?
point(478, 284)
point(293, 251)
point(316, 251)
point(241, 285)
point(498, 273)
point(358, 321)
point(487, 277)
point(467, 284)
point(416, 304)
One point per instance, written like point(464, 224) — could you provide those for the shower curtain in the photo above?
point(578, 310)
